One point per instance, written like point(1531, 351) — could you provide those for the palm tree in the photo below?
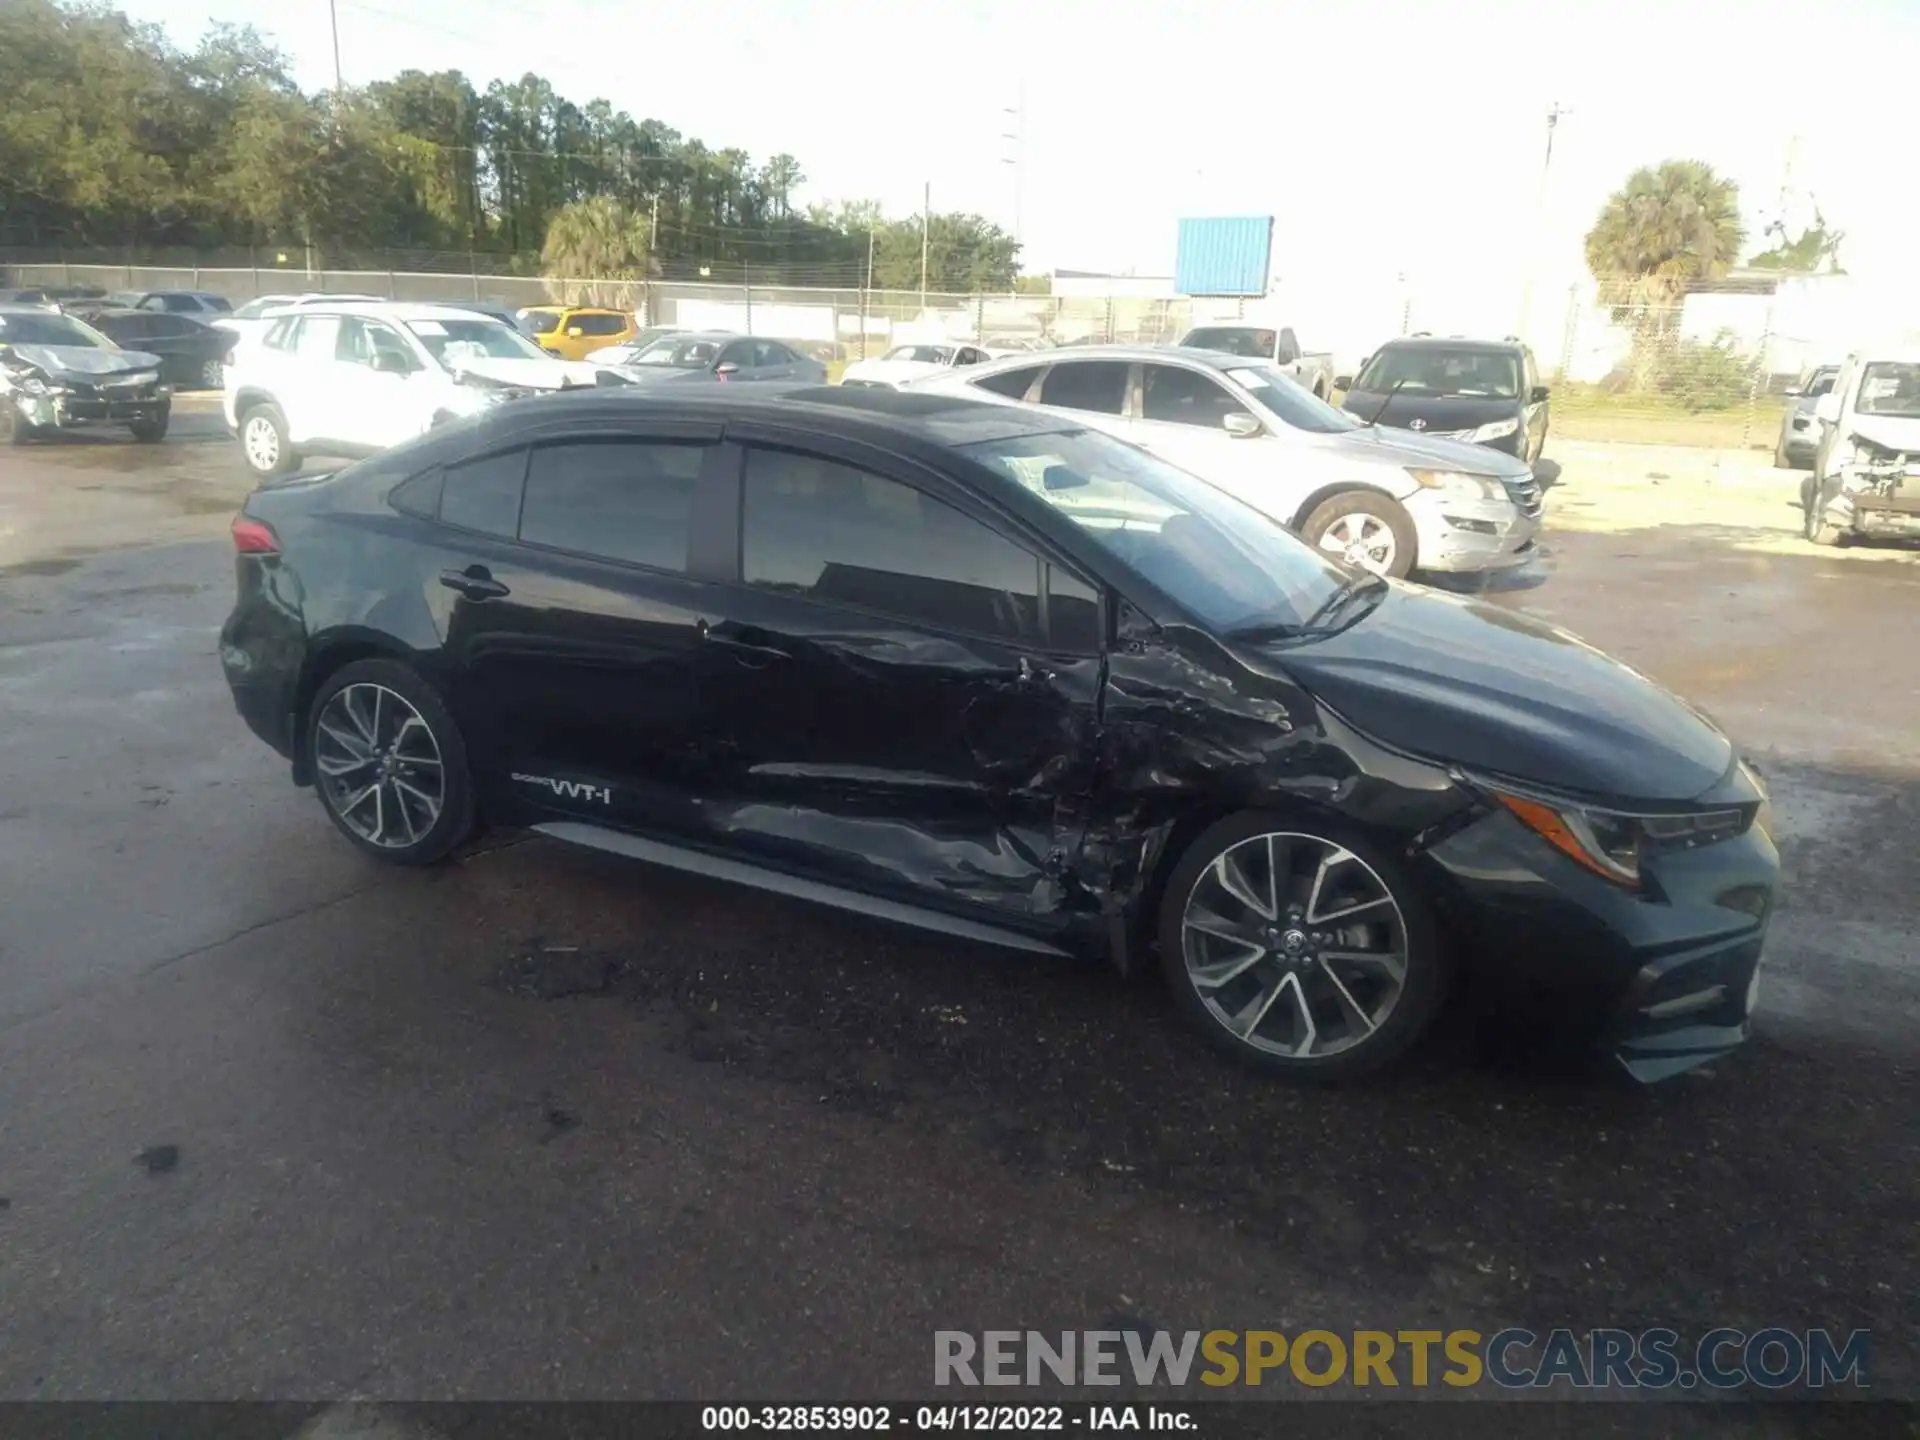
point(596, 252)
point(1670, 226)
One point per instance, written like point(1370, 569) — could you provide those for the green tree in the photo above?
point(1669, 227)
point(1817, 251)
point(595, 250)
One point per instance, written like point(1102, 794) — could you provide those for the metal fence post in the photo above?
point(746, 283)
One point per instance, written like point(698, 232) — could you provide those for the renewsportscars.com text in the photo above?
point(1657, 1359)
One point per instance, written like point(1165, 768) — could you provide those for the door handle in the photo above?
point(750, 654)
point(475, 582)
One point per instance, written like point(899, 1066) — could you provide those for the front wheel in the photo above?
point(1299, 947)
point(389, 763)
point(153, 428)
point(1367, 529)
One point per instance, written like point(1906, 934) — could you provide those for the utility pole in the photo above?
point(1554, 116)
point(333, 19)
point(865, 292)
point(1763, 365)
point(1018, 137)
point(926, 224)
point(653, 227)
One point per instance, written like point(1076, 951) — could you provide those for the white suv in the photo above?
point(350, 379)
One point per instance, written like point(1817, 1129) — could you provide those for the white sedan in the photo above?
point(913, 362)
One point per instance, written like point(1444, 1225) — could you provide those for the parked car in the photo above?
point(1866, 471)
point(250, 320)
point(1386, 500)
point(1799, 426)
point(59, 373)
point(202, 303)
point(572, 332)
point(913, 362)
point(1486, 392)
point(1275, 344)
point(192, 355)
point(994, 673)
point(505, 314)
point(352, 379)
point(44, 295)
point(714, 355)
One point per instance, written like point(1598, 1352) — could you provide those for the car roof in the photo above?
point(401, 310)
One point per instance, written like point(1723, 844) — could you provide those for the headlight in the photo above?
point(1495, 430)
point(1612, 843)
point(1459, 484)
point(29, 384)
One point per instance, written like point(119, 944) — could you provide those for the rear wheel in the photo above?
point(389, 763)
point(263, 440)
point(1367, 529)
point(1300, 947)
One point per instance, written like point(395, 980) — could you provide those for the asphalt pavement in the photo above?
point(277, 1122)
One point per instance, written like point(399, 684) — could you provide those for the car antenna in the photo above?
point(1375, 421)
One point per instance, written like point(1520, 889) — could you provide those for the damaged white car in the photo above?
point(1866, 475)
point(57, 373)
point(913, 362)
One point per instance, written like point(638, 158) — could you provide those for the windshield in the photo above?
point(1436, 370)
point(51, 328)
point(925, 354)
point(541, 322)
point(1234, 340)
point(1890, 387)
point(1290, 401)
point(1226, 564)
point(453, 341)
point(680, 354)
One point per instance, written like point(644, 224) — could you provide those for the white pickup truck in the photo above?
point(1273, 343)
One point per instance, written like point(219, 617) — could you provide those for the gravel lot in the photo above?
point(276, 1122)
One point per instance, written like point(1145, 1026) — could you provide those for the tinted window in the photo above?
point(180, 304)
point(126, 328)
point(629, 500)
point(771, 352)
point(740, 353)
point(1442, 370)
point(1098, 386)
point(813, 527)
point(484, 494)
point(1073, 611)
point(542, 322)
point(171, 325)
point(598, 324)
point(1234, 340)
point(1010, 383)
point(420, 495)
point(1187, 397)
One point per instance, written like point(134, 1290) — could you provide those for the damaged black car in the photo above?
point(975, 669)
point(59, 373)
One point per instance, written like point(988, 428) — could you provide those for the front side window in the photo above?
point(771, 352)
point(624, 500)
point(830, 532)
point(1228, 565)
point(1174, 395)
point(740, 353)
point(1289, 401)
point(1098, 387)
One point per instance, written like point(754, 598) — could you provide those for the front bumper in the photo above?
point(1663, 980)
point(1472, 536)
point(72, 409)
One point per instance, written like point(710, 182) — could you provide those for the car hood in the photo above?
point(894, 372)
point(656, 374)
point(1435, 412)
point(1472, 683)
point(1404, 447)
point(528, 373)
point(86, 363)
point(1892, 432)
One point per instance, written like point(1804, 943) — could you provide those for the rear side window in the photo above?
point(598, 324)
point(625, 500)
point(181, 304)
point(1010, 383)
point(484, 495)
point(1098, 387)
point(419, 496)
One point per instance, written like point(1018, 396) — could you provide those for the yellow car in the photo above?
point(575, 331)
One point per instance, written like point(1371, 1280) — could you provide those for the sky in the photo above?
point(1397, 143)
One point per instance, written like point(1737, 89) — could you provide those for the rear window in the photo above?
point(599, 324)
point(1235, 340)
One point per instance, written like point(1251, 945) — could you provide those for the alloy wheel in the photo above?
point(379, 766)
point(1361, 539)
point(213, 375)
point(262, 442)
point(1295, 945)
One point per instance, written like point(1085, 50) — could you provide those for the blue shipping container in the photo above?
point(1225, 256)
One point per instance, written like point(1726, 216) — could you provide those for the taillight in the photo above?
point(254, 537)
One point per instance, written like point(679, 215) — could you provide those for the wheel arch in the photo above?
point(1339, 487)
point(326, 657)
point(248, 397)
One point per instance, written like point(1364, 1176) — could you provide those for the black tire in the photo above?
point(1422, 989)
point(284, 458)
point(1390, 512)
point(153, 429)
point(454, 821)
point(1812, 524)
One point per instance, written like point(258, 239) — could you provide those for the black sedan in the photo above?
point(192, 354)
point(977, 669)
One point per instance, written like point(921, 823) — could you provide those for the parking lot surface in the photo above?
point(275, 1121)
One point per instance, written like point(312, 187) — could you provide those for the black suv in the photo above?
point(1484, 391)
point(986, 671)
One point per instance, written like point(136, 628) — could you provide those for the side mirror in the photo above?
point(1827, 407)
point(1793, 392)
point(574, 332)
point(1241, 425)
point(389, 362)
point(725, 369)
point(1343, 382)
point(1540, 392)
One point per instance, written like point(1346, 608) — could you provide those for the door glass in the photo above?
point(1096, 386)
point(828, 531)
point(740, 353)
point(627, 500)
point(768, 352)
point(318, 338)
point(1010, 383)
point(1179, 396)
point(600, 324)
point(484, 495)
point(1073, 612)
